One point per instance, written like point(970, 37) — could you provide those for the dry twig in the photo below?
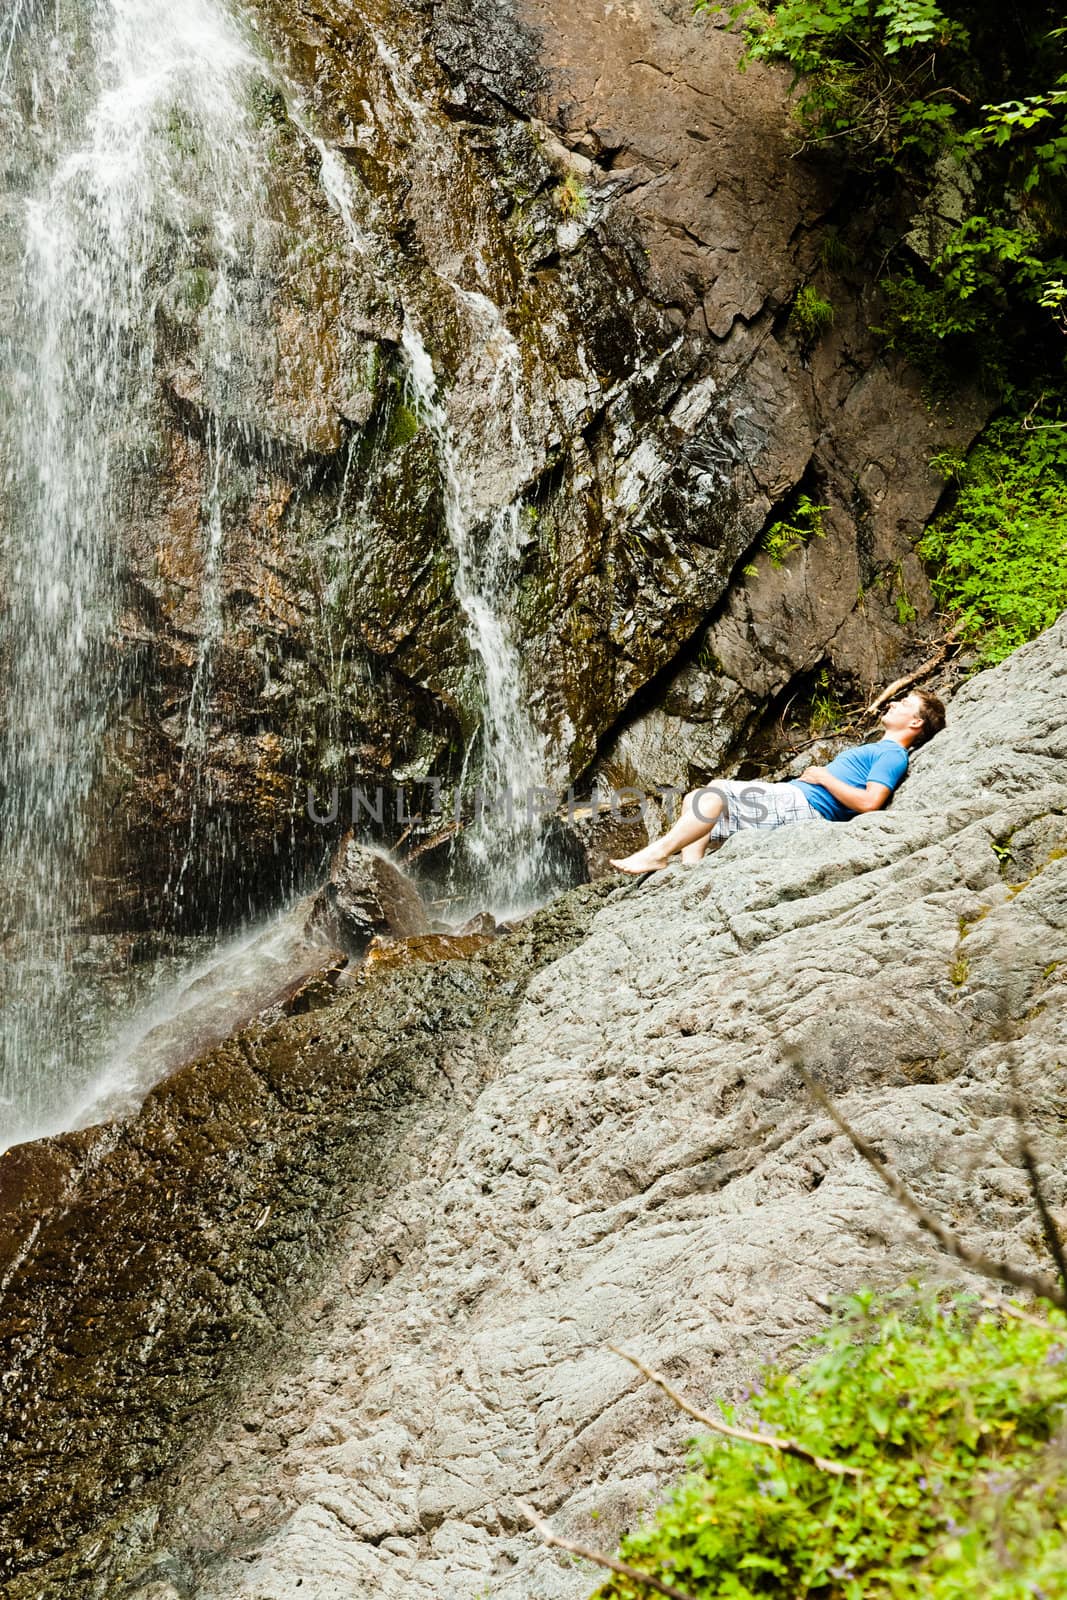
point(998, 1271)
point(788, 1447)
point(922, 671)
point(633, 1573)
point(1004, 1308)
point(1029, 1161)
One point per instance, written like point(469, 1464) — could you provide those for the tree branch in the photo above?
point(922, 671)
point(789, 1447)
point(998, 1271)
point(1029, 1161)
point(633, 1573)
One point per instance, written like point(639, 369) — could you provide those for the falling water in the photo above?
point(505, 859)
point(140, 175)
point(508, 761)
point(158, 166)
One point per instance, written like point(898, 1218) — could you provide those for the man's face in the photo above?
point(901, 715)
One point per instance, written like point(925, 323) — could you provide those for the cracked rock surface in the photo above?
point(633, 1161)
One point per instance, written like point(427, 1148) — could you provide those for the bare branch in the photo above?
point(922, 671)
point(1004, 1308)
point(789, 1447)
point(598, 1556)
point(1029, 1161)
point(998, 1271)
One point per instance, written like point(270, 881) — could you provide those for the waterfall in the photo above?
point(504, 857)
point(151, 172)
point(138, 200)
point(507, 761)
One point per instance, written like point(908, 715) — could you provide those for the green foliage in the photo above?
point(948, 1411)
point(1000, 549)
point(573, 196)
point(826, 714)
point(810, 316)
point(904, 83)
point(783, 537)
point(1054, 299)
point(858, 67)
point(1006, 122)
point(930, 326)
point(835, 252)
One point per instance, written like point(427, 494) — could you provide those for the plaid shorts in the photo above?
point(750, 804)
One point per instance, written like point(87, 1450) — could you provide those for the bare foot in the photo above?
point(641, 861)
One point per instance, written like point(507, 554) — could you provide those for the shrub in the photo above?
point(1000, 550)
point(811, 315)
point(785, 536)
point(953, 1413)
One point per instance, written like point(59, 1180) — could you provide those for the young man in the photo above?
point(860, 779)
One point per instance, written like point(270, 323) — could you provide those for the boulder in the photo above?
point(606, 831)
point(366, 895)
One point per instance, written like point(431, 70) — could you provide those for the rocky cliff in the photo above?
point(344, 1289)
point(594, 229)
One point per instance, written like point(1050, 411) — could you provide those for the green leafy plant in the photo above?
point(931, 327)
point(1054, 299)
point(787, 535)
point(573, 196)
point(908, 84)
point(999, 551)
point(953, 1415)
point(947, 464)
point(810, 316)
point(827, 713)
point(835, 252)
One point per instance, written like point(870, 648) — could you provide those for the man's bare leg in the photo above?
point(700, 811)
point(691, 853)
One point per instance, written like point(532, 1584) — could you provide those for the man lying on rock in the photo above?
point(860, 779)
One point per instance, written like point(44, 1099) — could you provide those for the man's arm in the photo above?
point(872, 798)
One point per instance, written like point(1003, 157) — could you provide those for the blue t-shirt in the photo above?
point(885, 762)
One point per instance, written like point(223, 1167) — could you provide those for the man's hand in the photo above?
point(872, 798)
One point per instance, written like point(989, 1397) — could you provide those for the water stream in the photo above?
point(505, 848)
point(159, 173)
point(503, 860)
point(140, 178)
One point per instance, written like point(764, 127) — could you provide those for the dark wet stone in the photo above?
point(366, 895)
point(148, 1263)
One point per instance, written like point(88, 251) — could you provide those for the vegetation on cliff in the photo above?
point(954, 1415)
point(999, 551)
point(942, 93)
point(955, 127)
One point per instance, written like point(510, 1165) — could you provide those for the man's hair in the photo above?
point(932, 713)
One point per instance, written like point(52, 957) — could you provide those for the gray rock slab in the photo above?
point(646, 1170)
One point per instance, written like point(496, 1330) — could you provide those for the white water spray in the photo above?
point(162, 165)
point(510, 759)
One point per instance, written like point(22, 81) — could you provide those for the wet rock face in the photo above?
point(378, 1252)
point(597, 226)
point(364, 896)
